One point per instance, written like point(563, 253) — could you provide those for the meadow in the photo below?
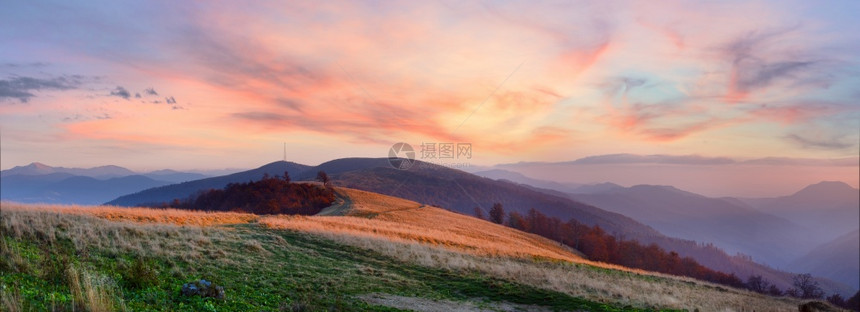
point(368, 252)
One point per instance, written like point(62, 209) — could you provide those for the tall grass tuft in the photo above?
point(10, 300)
point(92, 292)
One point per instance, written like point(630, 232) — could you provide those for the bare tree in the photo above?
point(758, 284)
point(806, 287)
point(323, 177)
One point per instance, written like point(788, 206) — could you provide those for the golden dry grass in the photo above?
point(375, 215)
point(92, 292)
point(402, 229)
point(143, 215)
point(435, 237)
point(648, 290)
point(143, 231)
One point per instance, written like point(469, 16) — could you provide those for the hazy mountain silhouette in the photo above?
point(575, 188)
point(42, 169)
point(40, 183)
point(767, 238)
point(596, 188)
point(829, 209)
point(183, 190)
point(64, 188)
point(174, 176)
point(838, 260)
point(703, 251)
point(516, 177)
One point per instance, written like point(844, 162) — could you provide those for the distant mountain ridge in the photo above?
point(64, 188)
point(829, 209)
point(838, 260)
point(37, 168)
point(101, 172)
point(40, 183)
point(516, 177)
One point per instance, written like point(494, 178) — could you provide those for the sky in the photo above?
point(223, 84)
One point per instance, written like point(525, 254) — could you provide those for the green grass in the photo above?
point(292, 271)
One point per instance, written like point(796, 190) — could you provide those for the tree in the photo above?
point(323, 178)
point(774, 291)
point(853, 303)
point(479, 213)
point(837, 300)
point(806, 287)
point(497, 213)
point(287, 176)
point(516, 220)
point(758, 284)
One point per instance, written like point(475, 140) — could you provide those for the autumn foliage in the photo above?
point(598, 245)
point(271, 195)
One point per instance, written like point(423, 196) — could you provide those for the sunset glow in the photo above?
point(200, 85)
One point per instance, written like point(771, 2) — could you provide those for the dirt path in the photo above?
point(342, 204)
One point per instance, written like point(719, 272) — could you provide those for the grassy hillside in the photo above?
point(102, 258)
point(373, 215)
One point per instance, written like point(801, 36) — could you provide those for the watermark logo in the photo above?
point(401, 156)
point(430, 151)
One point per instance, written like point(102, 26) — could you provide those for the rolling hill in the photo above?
point(462, 192)
point(362, 254)
point(364, 213)
point(184, 190)
point(425, 183)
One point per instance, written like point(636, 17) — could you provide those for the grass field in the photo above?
point(371, 252)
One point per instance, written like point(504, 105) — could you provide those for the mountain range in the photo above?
point(780, 231)
point(737, 229)
point(689, 221)
point(40, 183)
point(828, 209)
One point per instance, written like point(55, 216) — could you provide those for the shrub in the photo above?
point(139, 274)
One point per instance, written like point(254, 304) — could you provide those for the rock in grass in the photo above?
point(203, 288)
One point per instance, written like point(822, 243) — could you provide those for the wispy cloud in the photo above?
point(22, 88)
point(595, 75)
point(820, 142)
